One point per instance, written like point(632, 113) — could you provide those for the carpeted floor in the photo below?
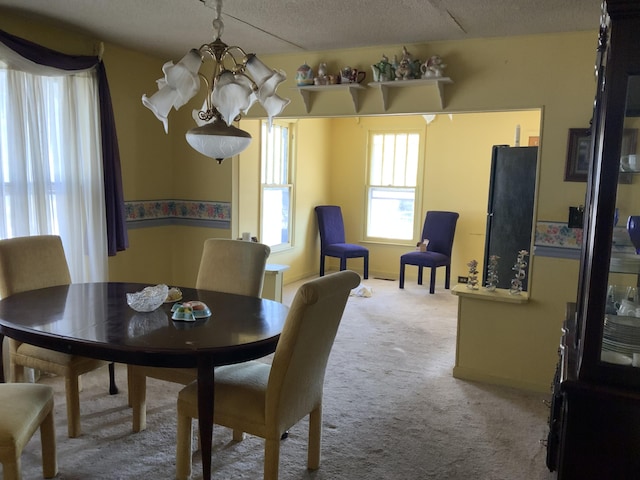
point(392, 410)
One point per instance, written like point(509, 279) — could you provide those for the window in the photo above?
point(51, 178)
point(392, 185)
point(277, 186)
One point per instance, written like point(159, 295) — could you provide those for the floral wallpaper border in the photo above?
point(151, 213)
point(556, 234)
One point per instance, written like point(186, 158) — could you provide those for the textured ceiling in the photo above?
point(169, 28)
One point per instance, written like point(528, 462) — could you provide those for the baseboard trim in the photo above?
point(463, 373)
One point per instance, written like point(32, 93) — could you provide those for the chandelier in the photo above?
point(237, 82)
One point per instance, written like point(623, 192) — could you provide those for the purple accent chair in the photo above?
point(332, 239)
point(439, 228)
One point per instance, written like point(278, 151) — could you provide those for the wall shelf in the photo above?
point(307, 91)
point(385, 86)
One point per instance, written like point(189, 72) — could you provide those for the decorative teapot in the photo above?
point(433, 67)
point(352, 75)
point(383, 71)
point(304, 75)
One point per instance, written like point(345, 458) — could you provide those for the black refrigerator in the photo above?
point(510, 209)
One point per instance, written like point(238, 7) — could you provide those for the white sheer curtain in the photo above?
point(51, 179)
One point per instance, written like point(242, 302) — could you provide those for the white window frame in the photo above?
point(271, 179)
point(396, 186)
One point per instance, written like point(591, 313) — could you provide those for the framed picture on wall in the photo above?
point(577, 166)
point(578, 149)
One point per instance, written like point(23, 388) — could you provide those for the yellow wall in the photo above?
point(549, 72)
point(312, 176)
point(457, 166)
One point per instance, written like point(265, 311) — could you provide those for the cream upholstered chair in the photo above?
point(25, 408)
point(30, 263)
point(265, 400)
point(230, 266)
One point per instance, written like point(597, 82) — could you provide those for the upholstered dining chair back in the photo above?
point(266, 400)
point(330, 225)
point(30, 263)
point(333, 240)
point(300, 360)
point(230, 266)
point(233, 266)
point(25, 409)
point(440, 228)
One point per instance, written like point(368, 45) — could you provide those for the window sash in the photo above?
point(392, 190)
point(276, 186)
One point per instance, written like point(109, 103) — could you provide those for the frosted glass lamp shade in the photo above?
point(179, 85)
point(231, 95)
point(218, 140)
point(274, 105)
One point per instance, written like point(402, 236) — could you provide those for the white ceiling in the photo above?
point(169, 28)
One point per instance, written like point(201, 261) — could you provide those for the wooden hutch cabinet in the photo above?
point(595, 410)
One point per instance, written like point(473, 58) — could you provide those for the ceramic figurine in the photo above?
point(403, 72)
point(322, 78)
point(408, 68)
point(304, 75)
point(322, 69)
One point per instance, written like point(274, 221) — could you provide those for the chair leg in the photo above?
point(271, 458)
point(447, 278)
point(183, 447)
point(113, 388)
point(238, 435)
point(130, 386)
point(366, 267)
point(432, 282)
point(343, 264)
point(12, 470)
point(321, 265)
point(419, 275)
point(401, 274)
point(72, 384)
point(315, 438)
point(138, 397)
point(48, 442)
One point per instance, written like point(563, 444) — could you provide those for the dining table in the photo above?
point(94, 320)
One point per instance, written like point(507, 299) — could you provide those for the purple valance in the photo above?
point(117, 238)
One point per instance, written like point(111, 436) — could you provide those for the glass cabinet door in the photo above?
point(621, 329)
point(607, 321)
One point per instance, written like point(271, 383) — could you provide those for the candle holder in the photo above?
point(519, 268)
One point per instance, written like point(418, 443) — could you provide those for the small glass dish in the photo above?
point(198, 309)
point(148, 299)
point(182, 313)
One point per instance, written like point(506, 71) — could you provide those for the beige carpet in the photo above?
point(392, 411)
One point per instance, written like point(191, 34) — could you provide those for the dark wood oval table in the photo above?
point(94, 320)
